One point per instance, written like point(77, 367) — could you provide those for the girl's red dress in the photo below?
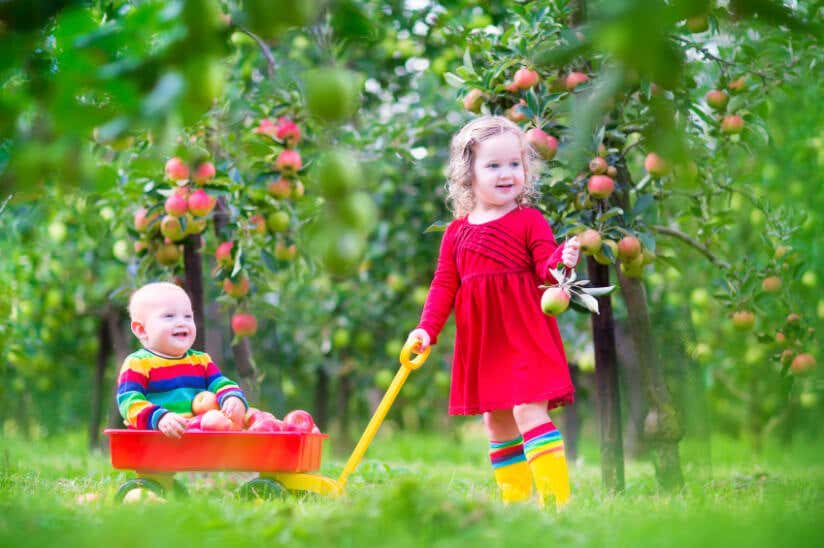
point(507, 351)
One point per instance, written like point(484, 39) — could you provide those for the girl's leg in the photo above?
point(506, 453)
point(544, 449)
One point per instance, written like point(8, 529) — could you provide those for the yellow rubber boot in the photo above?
point(544, 449)
point(512, 473)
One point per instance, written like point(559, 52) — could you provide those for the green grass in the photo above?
point(420, 490)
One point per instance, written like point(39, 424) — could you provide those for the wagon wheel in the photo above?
point(263, 488)
point(139, 483)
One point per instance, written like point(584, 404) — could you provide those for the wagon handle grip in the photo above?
point(406, 352)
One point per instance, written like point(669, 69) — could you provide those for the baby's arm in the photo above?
point(172, 424)
point(222, 386)
point(441, 296)
point(136, 410)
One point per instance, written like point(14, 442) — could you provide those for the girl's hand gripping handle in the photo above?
point(413, 345)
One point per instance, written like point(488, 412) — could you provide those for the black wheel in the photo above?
point(263, 488)
point(139, 483)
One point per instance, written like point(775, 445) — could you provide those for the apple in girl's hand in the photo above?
point(194, 423)
point(216, 421)
point(204, 401)
point(298, 421)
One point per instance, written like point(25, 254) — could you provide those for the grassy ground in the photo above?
point(420, 490)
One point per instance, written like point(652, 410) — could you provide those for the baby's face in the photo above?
point(169, 325)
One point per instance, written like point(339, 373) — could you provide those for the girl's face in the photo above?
point(498, 173)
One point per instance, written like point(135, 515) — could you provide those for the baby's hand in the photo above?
point(234, 408)
point(172, 424)
point(571, 252)
point(421, 336)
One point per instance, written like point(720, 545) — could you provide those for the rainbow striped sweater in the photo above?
point(149, 386)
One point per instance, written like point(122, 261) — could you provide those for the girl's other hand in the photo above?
point(571, 252)
point(421, 336)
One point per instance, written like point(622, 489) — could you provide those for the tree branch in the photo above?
point(692, 242)
point(264, 47)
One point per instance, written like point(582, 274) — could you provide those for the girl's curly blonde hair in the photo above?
point(460, 198)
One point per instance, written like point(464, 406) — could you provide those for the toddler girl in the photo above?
point(509, 362)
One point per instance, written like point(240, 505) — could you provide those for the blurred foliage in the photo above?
point(96, 96)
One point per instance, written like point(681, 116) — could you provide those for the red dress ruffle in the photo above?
point(507, 351)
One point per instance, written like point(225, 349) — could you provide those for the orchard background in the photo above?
point(284, 162)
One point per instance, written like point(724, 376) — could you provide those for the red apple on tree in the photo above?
point(524, 79)
point(717, 99)
point(200, 203)
point(177, 169)
point(473, 100)
point(176, 205)
point(244, 324)
point(223, 254)
point(289, 162)
point(204, 401)
point(732, 124)
point(575, 79)
point(655, 165)
point(204, 172)
point(598, 166)
point(298, 421)
point(629, 247)
point(544, 144)
point(600, 186)
point(287, 131)
point(280, 189)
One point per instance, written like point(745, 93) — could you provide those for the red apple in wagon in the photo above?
point(204, 401)
point(194, 423)
point(215, 420)
point(298, 421)
point(266, 424)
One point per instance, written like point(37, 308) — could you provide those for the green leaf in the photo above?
point(453, 79)
point(642, 203)
point(467, 61)
point(587, 301)
point(598, 291)
point(269, 260)
point(437, 226)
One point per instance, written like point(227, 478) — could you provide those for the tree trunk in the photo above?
point(662, 426)
point(572, 420)
point(246, 370)
point(120, 340)
point(634, 396)
point(193, 267)
point(104, 351)
point(321, 397)
point(344, 395)
point(606, 381)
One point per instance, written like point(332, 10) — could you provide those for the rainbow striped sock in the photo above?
point(544, 449)
point(511, 470)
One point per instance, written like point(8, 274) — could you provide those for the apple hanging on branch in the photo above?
point(557, 297)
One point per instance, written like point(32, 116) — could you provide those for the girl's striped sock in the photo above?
point(544, 449)
point(511, 469)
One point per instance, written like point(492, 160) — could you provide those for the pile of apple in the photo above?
point(209, 418)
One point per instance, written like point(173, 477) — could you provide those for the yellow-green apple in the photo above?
point(717, 99)
point(473, 100)
point(204, 401)
point(554, 301)
point(238, 288)
point(743, 320)
point(590, 240)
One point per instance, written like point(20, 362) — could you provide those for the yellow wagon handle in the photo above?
point(407, 365)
